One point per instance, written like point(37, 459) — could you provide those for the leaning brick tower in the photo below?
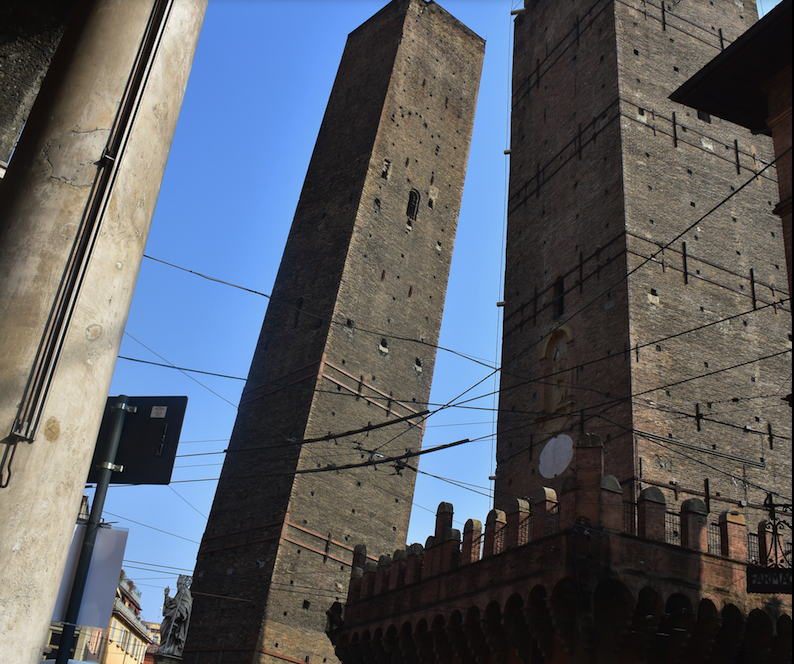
point(347, 345)
point(645, 291)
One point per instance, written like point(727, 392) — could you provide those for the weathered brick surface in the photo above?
point(347, 341)
point(573, 595)
point(606, 170)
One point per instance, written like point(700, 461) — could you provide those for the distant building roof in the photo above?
point(731, 86)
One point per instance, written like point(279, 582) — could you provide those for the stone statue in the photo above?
point(176, 618)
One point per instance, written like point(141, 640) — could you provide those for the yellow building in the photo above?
point(125, 639)
point(127, 635)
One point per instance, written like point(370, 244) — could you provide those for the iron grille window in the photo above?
point(753, 549)
point(713, 538)
point(629, 517)
point(672, 528)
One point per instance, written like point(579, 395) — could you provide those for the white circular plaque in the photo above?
point(556, 455)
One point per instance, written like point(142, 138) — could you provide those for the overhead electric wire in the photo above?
point(327, 320)
point(635, 349)
point(607, 405)
point(528, 381)
point(188, 502)
point(580, 310)
point(139, 562)
point(654, 438)
point(160, 530)
point(182, 369)
point(451, 402)
point(610, 403)
point(703, 418)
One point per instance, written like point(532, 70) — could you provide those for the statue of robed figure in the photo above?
point(176, 618)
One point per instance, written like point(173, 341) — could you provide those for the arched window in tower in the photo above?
point(558, 376)
point(413, 204)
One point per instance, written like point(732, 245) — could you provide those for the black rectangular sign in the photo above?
point(768, 580)
point(148, 442)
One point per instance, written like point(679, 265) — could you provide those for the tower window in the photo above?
point(559, 298)
point(385, 172)
point(702, 115)
point(413, 204)
point(298, 307)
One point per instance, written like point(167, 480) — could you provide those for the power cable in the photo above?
point(661, 442)
point(379, 461)
point(188, 502)
point(139, 562)
point(324, 319)
point(160, 530)
point(182, 369)
point(539, 380)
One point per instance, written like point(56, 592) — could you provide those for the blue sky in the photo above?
point(257, 93)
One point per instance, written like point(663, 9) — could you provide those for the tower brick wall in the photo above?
point(678, 363)
point(348, 342)
point(646, 351)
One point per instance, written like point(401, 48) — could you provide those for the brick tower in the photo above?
point(348, 343)
point(646, 350)
point(619, 268)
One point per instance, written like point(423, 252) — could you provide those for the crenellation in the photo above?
point(518, 523)
point(413, 572)
point(505, 533)
point(495, 532)
point(733, 535)
point(611, 504)
point(472, 542)
point(693, 524)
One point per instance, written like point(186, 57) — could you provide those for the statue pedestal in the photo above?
point(166, 659)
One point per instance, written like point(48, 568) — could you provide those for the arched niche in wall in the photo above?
point(558, 376)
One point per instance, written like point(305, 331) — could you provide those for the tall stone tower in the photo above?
point(645, 278)
point(348, 344)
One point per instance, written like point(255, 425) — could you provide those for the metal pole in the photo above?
point(106, 466)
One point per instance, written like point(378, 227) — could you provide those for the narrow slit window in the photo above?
point(706, 117)
point(413, 204)
point(559, 298)
point(298, 308)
